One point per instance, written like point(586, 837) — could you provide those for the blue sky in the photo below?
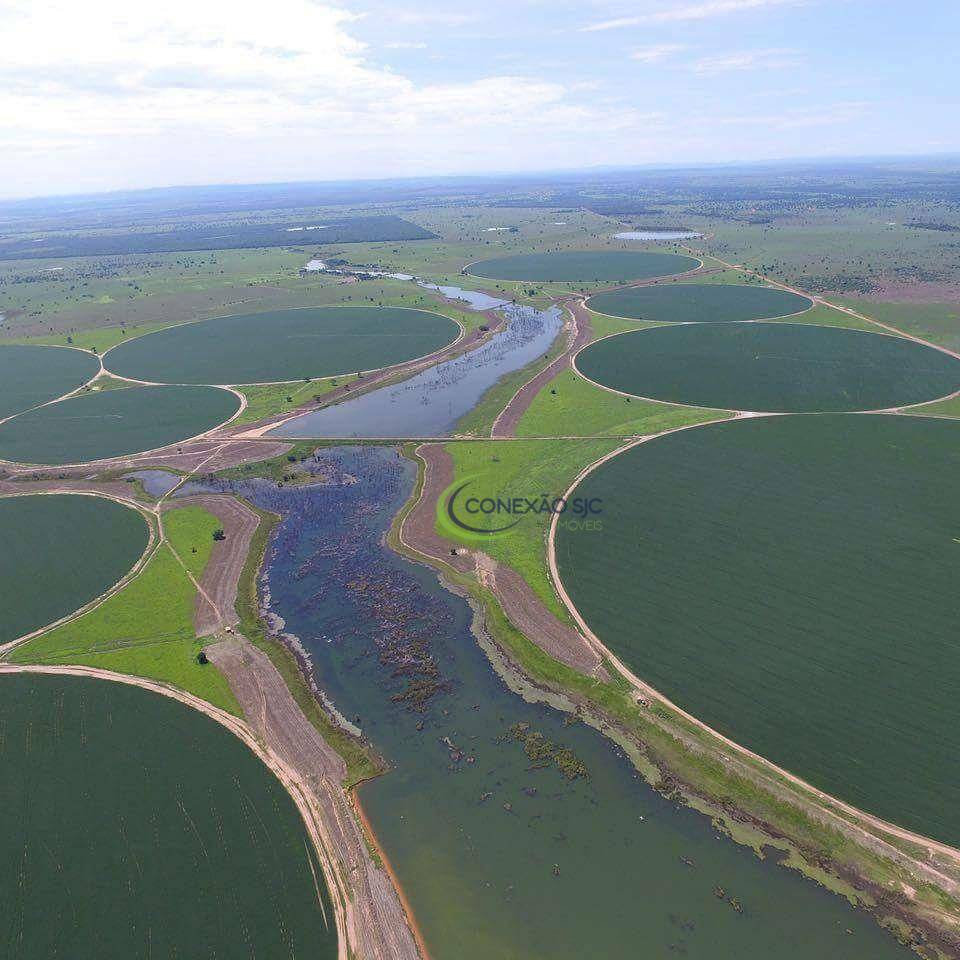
point(106, 95)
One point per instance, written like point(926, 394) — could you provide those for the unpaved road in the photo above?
point(522, 606)
point(578, 336)
point(216, 599)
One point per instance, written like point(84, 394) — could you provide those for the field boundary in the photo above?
point(825, 801)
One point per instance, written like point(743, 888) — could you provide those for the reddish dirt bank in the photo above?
point(522, 606)
point(375, 924)
point(578, 335)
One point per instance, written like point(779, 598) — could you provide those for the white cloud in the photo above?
point(774, 59)
point(658, 52)
point(147, 92)
point(405, 45)
point(687, 11)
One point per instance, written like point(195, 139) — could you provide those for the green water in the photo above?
point(59, 552)
point(135, 827)
point(500, 858)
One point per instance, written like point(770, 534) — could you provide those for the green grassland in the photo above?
point(61, 552)
point(138, 827)
point(528, 468)
point(603, 326)
point(197, 237)
point(697, 303)
point(573, 266)
point(97, 425)
point(283, 345)
point(266, 399)
point(570, 406)
point(940, 408)
point(98, 303)
point(147, 628)
point(808, 612)
point(937, 322)
point(30, 375)
point(824, 316)
point(771, 367)
point(844, 250)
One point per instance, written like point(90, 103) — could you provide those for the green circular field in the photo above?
point(31, 374)
point(699, 303)
point(95, 426)
point(770, 367)
point(794, 582)
point(282, 345)
point(60, 552)
point(583, 266)
point(136, 827)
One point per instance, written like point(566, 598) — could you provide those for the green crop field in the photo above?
point(30, 375)
point(793, 582)
point(93, 426)
point(583, 265)
point(699, 302)
point(139, 828)
point(282, 345)
point(773, 367)
point(59, 553)
point(147, 628)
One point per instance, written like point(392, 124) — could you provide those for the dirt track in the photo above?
point(370, 920)
point(187, 456)
point(375, 923)
point(522, 606)
point(578, 336)
point(215, 606)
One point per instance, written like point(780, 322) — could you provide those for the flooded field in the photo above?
point(431, 403)
point(515, 830)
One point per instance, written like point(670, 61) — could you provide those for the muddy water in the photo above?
point(430, 404)
point(500, 854)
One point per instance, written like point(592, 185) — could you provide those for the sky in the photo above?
point(109, 94)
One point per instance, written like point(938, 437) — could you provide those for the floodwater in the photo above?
point(155, 482)
point(430, 403)
point(656, 235)
point(500, 854)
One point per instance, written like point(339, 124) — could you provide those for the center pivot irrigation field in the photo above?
point(771, 367)
point(30, 375)
point(793, 581)
point(283, 345)
point(699, 303)
point(59, 553)
point(584, 266)
point(136, 827)
point(94, 426)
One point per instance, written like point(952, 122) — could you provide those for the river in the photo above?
point(430, 403)
point(500, 853)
